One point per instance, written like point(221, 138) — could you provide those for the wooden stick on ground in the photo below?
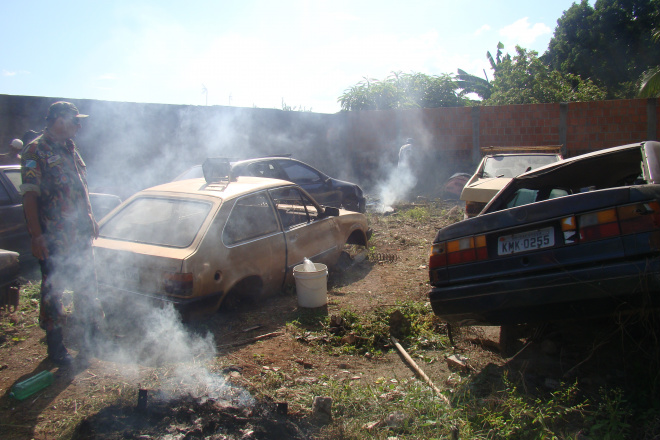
point(419, 371)
point(256, 338)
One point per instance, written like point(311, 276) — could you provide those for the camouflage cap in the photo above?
point(63, 108)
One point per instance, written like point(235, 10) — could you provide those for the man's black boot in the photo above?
point(57, 352)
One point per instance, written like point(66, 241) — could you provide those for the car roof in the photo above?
point(520, 154)
point(266, 158)
point(242, 185)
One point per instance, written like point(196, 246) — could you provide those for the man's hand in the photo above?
point(39, 248)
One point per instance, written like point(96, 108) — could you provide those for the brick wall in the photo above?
point(601, 124)
point(522, 125)
point(356, 146)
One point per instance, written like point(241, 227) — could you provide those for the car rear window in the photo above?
point(159, 221)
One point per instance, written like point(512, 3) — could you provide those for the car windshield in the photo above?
point(159, 221)
point(513, 165)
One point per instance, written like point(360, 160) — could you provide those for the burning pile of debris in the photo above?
point(187, 417)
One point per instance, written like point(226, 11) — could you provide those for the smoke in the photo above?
point(397, 187)
point(145, 334)
point(137, 336)
point(129, 147)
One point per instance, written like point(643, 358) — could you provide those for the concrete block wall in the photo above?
point(125, 140)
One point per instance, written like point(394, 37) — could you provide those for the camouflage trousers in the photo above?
point(71, 270)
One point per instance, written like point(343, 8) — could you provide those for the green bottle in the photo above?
point(30, 386)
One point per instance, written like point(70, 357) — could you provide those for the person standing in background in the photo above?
point(14, 155)
point(406, 153)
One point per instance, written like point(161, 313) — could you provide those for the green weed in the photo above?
point(413, 323)
point(418, 214)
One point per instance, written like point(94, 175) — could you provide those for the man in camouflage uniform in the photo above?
point(62, 226)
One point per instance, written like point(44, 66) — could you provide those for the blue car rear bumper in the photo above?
point(572, 293)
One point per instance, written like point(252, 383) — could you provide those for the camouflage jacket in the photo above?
point(57, 173)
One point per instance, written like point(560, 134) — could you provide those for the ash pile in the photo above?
point(189, 417)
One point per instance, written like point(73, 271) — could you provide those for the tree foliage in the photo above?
point(402, 91)
point(481, 87)
point(525, 79)
point(609, 43)
point(650, 83)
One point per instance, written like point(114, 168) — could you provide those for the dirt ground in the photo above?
point(396, 270)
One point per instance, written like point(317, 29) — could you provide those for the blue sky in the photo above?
point(252, 53)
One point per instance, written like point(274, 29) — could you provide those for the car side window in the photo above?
point(264, 169)
point(251, 217)
point(5, 199)
point(293, 207)
point(299, 173)
point(14, 177)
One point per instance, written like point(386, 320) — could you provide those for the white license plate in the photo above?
point(526, 241)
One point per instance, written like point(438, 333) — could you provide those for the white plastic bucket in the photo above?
point(311, 287)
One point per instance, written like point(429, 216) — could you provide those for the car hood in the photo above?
point(343, 184)
point(484, 189)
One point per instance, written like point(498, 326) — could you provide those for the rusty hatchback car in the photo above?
point(196, 243)
point(577, 238)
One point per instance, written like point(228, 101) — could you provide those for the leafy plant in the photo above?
point(418, 213)
point(351, 332)
point(508, 413)
point(611, 419)
point(402, 91)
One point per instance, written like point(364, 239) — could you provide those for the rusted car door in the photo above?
point(307, 234)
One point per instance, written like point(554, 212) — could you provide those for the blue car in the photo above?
point(326, 190)
point(578, 238)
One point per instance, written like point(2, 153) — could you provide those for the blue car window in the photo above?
point(300, 174)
